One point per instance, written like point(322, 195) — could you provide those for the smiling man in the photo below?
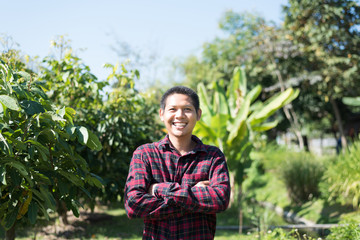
point(178, 184)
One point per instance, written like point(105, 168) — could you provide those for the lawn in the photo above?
point(106, 223)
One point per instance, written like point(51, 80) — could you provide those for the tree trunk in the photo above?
point(10, 234)
point(232, 192)
point(289, 111)
point(340, 124)
point(240, 210)
point(62, 211)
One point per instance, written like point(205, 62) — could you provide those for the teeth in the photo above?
point(180, 124)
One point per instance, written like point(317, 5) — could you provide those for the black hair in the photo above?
point(181, 90)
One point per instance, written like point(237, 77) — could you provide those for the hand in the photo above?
point(205, 183)
point(152, 188)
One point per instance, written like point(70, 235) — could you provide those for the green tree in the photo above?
point(38, 162)
point(121, 116)
point(269, 59)
point(327, 32)
point(232, 117)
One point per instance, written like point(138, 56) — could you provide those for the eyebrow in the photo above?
point(189, 105)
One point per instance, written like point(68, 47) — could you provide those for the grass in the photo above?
point(107, 223)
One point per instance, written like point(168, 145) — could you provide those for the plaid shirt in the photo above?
point(179, 210)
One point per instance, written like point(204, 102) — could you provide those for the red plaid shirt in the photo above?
point(179, 210)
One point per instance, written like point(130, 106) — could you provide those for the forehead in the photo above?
point(178, 99)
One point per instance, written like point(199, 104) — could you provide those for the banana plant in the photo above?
point(231, 117)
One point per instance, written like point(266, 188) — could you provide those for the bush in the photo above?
point(343, 177)
point(347, 231)
point(302, 174)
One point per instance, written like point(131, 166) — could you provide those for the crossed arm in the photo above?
point(170, 199)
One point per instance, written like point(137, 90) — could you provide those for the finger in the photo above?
point(206, 183)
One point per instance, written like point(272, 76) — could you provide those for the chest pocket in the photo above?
point(194, 178)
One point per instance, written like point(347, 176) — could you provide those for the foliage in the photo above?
point(231, 118)
point(345, 231)
point(39, 164)
point(128, 122)
point(330, 37)
point(122, 118)
point(327, 33)
point(352, 101)
point(343, 176)
point(302, 173)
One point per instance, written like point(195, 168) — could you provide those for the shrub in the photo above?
point(343, 177)
point(302, 174)
point(346, 231)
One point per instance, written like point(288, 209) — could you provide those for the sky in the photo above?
point(158, 30)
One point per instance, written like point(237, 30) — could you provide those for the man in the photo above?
point(178, 184)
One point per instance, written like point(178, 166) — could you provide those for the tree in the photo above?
point(232, 117)
point(261, 47)
point(38, 162)
point(121, 117)
point(328, 33)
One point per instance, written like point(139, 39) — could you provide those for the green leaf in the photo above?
point(19, 144)
point(265, 126)
point(254, 93)
point(240, 77)
point(32, 212)
point(5, 146)
point(54, 116)
point(220, 102)
point(93, 142)
point(351, 101)
point(75, 208)
point(2, 175)
point(219, 123)
point(48, 198)
point(25, 75)
point(72, 178)
point(63, 187)
point(44, 152)
point(32, 107)
point(83, 135)
point(39, 92)
point(10, 218)
point(86, 192)
point(61, 112)
point(21, 169)
point(47, 136)
point(20, 92)
point(271, 107)
point(205, 103)
point(97, 180)
point(292, 97)
point(238, 121)
point(204, 131)
point(10, 102)
point(19, 166)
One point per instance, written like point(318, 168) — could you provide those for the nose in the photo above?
point(179, 113)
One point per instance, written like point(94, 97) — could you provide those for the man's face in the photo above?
point(179, 115)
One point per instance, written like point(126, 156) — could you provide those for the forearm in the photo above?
point(142, 205)
point(209, 199)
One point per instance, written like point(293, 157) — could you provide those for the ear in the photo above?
point(199, 114)
point(161, 114)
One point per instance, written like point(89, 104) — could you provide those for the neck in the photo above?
point(182, 145)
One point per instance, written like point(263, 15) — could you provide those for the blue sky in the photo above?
point(169, 29)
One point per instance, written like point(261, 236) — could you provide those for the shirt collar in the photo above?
point(166, 144)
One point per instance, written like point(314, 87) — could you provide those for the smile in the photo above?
point(179, 124)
